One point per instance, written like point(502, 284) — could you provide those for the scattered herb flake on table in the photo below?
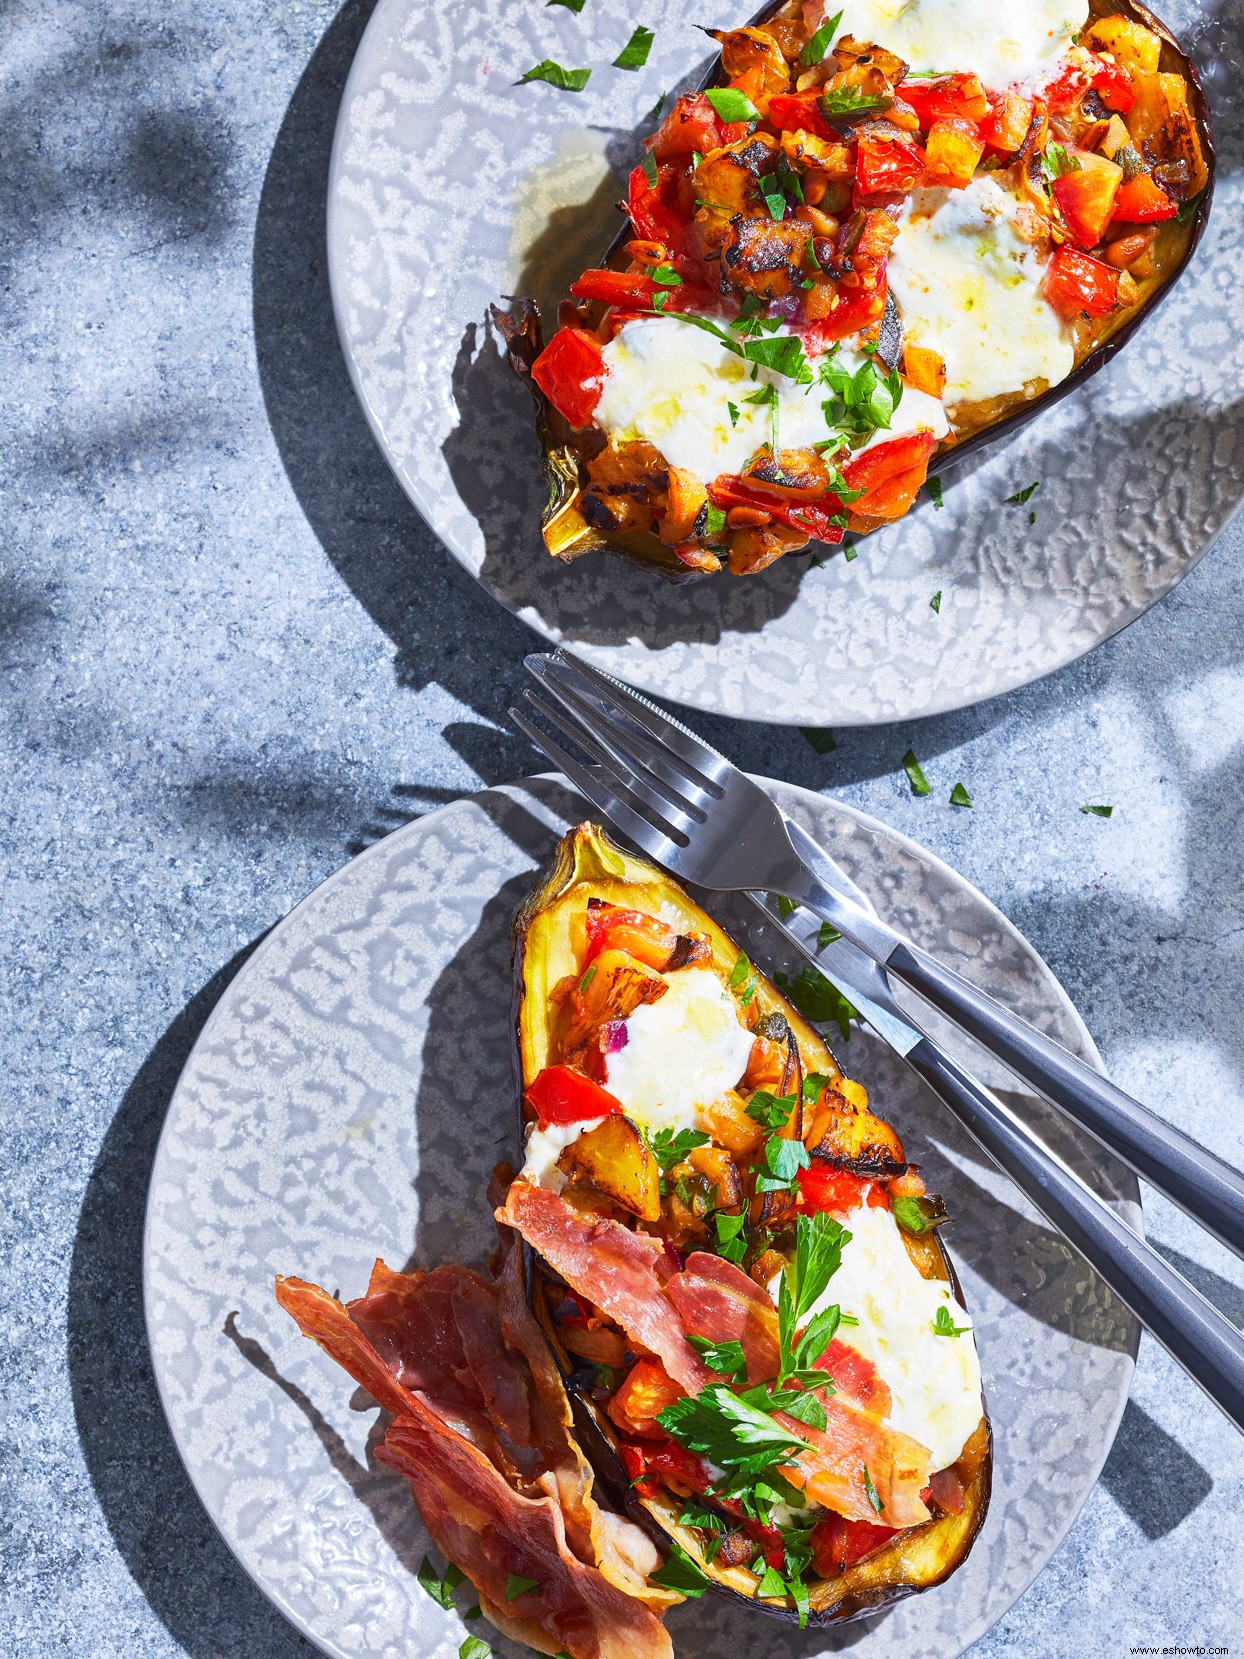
point(821, 739)
point(570, 5)
point(934, 487)
point(568, 80)
point(959, 796)
point(1022, 496)
point(919, 783)
point(634, 55)
point(1098, 811)
point(935, 604)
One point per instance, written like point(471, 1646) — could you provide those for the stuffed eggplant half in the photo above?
point(739, 1272)
point(886, 233)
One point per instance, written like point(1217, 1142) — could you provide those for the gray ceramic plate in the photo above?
point(348, 1098)
point(451, 185)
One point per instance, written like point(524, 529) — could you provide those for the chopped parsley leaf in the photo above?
point(669, 1148)
point(771, 1111)
point(473, 1647)
point(568, 80)
point(681, 1572)
point(726, 1358)
point(871, 1490)
point(827, 934)
point(440, 1589)
point(819, 1001)
point(634, 55)
point(919, 783)
point(1021, 496)
point(732, 409)
point(666, 276)
point(650, 169)
point(1098, 811)
point(934, 487)
point(516, 1585)
point(786, 907)
point(731, 104)
point(655, 111)
point(570, 5)
point(814, 52)
point(850, 100)
point(944, 1325)
point(730, 1241)
point(959, 796)
point(935, 604)
point(820, 738)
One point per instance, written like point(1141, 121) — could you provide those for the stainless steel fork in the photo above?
point(699, 816)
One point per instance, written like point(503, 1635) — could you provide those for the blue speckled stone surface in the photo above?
point(232, 655)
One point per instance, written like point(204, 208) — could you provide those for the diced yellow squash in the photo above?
point(615, 1158)
point(1131, 45)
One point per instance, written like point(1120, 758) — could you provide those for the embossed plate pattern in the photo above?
point(451, 185)
point(349, 1096)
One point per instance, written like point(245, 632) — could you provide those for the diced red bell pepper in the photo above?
point(1142, 201)
point(798, 112)
point(945, 95)
point(822, 1187)
point(838, 1543)
point(1006, 125)
point(814, 518)
point(954, 149)
point(651, 1464)
point(1086, 198)
point(1074, 283)
point(692, 124)
point(644, 937)
point(886, 170)
point(561, 1095)
point(873, 466)
point(645, 1391)
point(1113, 86)
point(615, 288)
point(570, 371)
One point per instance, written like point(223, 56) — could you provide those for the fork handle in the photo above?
point(1210, 1190)
point(1189, 1327)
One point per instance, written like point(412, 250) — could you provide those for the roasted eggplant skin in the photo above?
point(587, 864)
point(565, 450)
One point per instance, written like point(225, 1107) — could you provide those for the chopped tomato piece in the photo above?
point(1068, 88)
point(822, 519)
point(1142, 201)
point(822, 1187)
point(570, 371)
point(838, 1543)
point(857, 308)
point(647, 938)
point(654, 212)
point(651, 1465)
point(615, 288)
point(955, 147)
point(561, 1095)
point(945, 95)
point(1006, 125)
point(1074, 283)
point(886, 169)
point(645, 1390)
point(798, 112)
point(1086, 198)
point(1113, 86)
point(692, 124)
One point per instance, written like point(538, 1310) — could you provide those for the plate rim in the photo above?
point(950, 703)
point(267, 942)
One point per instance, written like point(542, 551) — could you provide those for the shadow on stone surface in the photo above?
point(1151, 1477)
point(174, 1553)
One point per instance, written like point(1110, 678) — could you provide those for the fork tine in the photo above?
point(561, 675)
point(649, 778)
point(588, 783)
point(617, 771)
point(661, 726)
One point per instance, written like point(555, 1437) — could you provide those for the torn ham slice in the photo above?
point(621, 1271)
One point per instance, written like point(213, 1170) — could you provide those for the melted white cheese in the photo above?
point(682, 1052)
point(545, 1146)
point(935, 1380)
point(969, 286)
point(1005, 42)
point(670, 385)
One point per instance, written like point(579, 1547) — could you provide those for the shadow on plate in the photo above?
point(177, 1558)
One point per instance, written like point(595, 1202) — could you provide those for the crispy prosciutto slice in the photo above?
point(494, 1533)
point(415, 1342)
point(621, 1271)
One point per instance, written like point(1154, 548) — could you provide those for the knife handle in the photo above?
point(1190, 1175)
point(1189, 1327)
